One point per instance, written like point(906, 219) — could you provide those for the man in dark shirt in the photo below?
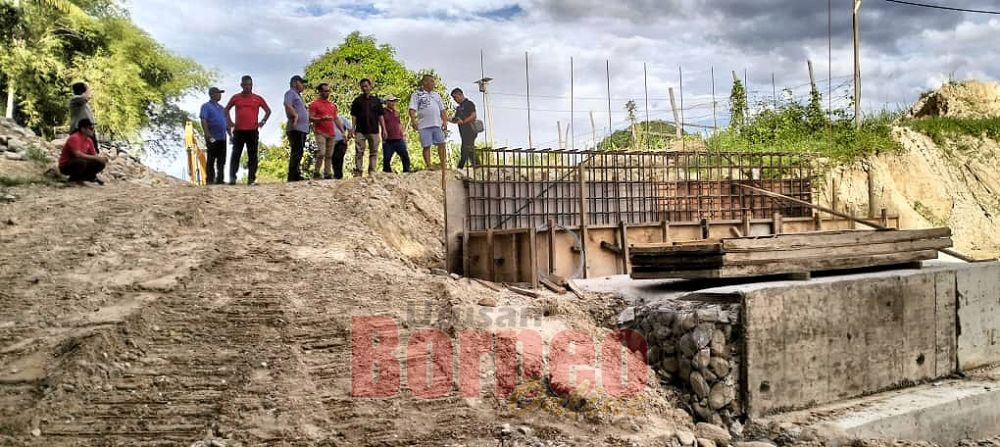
point(366, 111)
point(465, 117)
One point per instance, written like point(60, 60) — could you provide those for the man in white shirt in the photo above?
point(429, 119)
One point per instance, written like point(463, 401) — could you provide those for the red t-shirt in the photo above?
point(319, 108)
point(77, 143)
point(393, 130)
point(247, 110)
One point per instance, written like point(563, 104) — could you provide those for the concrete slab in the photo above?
point(942, 413)
point(978, 308)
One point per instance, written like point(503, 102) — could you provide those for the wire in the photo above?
point(947, 8)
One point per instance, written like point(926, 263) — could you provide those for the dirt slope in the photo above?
point(172, 315)
point(956, 184)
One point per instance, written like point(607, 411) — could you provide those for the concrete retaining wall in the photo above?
point(978, 315)
point(820, 341)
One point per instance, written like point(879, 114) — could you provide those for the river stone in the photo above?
point(669, 364)
point(702, 411)
point(721, 395)
point(713, 432)
point(688, 346)
point(699, 385)
point(686, 438)
point(702, 359)
point(702, 335)
point(688, 322)
point(627, 317)
point(754, 444)
point(702, 442)
point(710, 315)
point(662, 333)
point(718, 344)
point(719, 366)
point(684, 368)
point(711, 378)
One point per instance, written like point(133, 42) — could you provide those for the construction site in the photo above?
point(667, 297)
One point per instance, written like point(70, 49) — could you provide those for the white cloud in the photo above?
point(272, 41)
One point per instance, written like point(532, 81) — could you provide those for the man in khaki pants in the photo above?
point(367, 112)
point(323, 115)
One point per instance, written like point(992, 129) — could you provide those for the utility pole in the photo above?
point(484, 84)
point(857, 64)
point(527, 89)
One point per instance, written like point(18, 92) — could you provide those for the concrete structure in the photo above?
point(809, 343)
point(943, 413)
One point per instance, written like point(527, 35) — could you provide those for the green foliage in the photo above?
point(655, 134)
point(941, 129)
point(272, 163)
point(136, 82)
point(738, 105)
point(362, 57)
point(793, 127)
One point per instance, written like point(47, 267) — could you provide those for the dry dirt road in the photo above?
point(178, 315)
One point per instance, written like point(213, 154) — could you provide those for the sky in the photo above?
point(906, 50)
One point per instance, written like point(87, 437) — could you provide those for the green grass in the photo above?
point(789, 130)
point(942, 129)
point(8, 182)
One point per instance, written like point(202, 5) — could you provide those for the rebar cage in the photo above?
point(522, 188)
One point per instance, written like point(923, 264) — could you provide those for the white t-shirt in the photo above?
point(428, 106)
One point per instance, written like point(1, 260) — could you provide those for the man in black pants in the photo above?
point(247, 128)
point(213, 125)
point(465, 116)
point(298, 126)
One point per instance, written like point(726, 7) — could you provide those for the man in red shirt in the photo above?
point(247, 128)
point(323, 115)
point(79, 159)
point(394, 142)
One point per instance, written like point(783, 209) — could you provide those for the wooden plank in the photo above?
point(571, 285)
point(491, 260)
point(623, 234)
point(549, 284)
point(533, 253)
point(751, 257)
point(584, 235)
point(658, 249)
point(525, 292)
point(489, 285)
point(552, 246)
point(782, 268)
point(611, 247)
point(830, 239)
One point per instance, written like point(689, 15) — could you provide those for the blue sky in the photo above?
point(906, 50)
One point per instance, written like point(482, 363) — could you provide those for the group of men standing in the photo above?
point(375, 125)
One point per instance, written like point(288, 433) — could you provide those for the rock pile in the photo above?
point(695, 346)
point(969, 99)
point(19, 144)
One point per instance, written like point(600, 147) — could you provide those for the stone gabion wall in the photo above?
point(696, 347)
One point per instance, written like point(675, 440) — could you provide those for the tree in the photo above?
point(738, 104)
point(52, 43)
point(362, 57)
point(659, 136)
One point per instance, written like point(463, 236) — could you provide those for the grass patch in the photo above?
point(788, 131)
point(9, 182)
point(37, 155)
point(942, 129)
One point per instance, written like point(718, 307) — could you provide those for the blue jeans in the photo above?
point(390, 147)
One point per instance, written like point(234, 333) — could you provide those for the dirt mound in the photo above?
point(173, 315)
point(968, 99)
point(27, 158)
point(929, 185)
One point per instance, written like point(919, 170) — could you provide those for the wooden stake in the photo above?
point(491, 260)
point(593, 129)
point(623, 233)
point(552, 247)
point(533, 253)
point(677, 116)
point(857, 64)
point(527, 89)
point(779, 224)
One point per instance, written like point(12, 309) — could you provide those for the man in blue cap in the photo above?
point(213, 125)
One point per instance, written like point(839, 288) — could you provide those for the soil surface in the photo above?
point(179, 315)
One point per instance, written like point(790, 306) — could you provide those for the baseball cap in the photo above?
point(298, 78)
point(215, 90)
point(391, 98)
